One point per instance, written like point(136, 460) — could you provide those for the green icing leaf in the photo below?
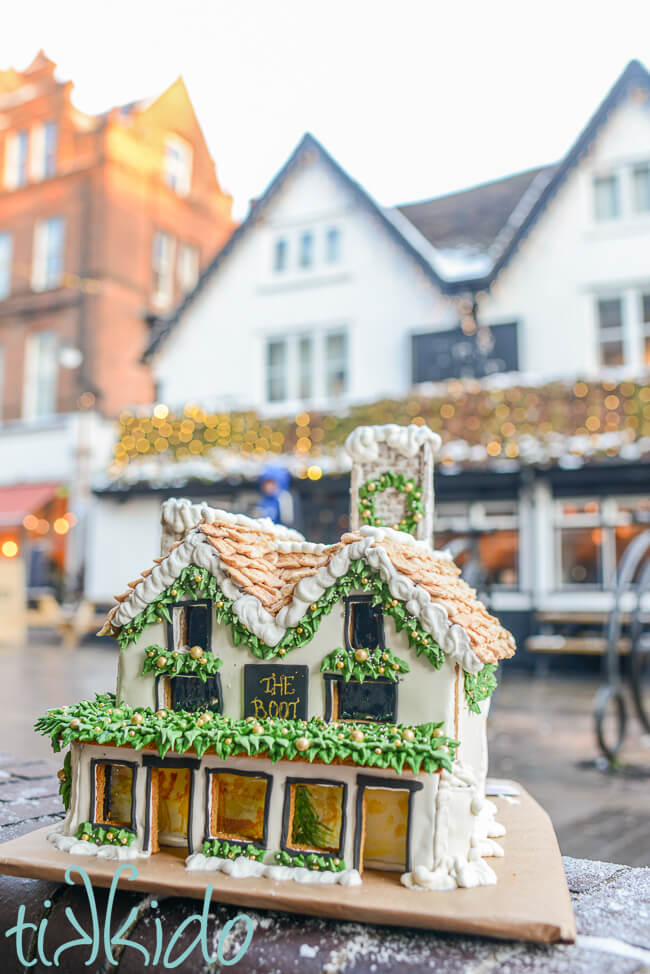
point(379, 664)
point(157, 660)
point(311, 860)
point(231, 850)
point(105, 835)
point(425, 747)
point(479, 686)
point(396, 481)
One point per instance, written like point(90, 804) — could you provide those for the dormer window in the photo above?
point(190, 626)
point(364, 624)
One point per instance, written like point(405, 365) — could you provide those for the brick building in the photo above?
point(105, 221)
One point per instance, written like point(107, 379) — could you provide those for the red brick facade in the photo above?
point(108, 186)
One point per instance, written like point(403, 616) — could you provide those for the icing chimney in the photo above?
point(388, 452)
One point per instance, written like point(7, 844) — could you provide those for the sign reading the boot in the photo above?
point(278, 692)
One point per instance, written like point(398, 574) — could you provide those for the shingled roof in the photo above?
point(272, 582)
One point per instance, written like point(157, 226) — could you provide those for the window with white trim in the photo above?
point(333, 245)
point(47, 263)
point(607, 197)
point(306, 249)
point(591, 536)
point(177, 166)
point(336, 364)
point(6, 252)
point(305, 367)
point(162, 266)
point(610, 331)
point(641, 188)
point(42, 151)
point(277, 389)
point(188, 267)
point(280, 255)
point(41, 375)
point(483, 539)
point(16, 153)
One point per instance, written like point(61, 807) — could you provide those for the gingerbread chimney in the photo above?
point(391, 484)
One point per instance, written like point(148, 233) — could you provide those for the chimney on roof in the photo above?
point(391, 484)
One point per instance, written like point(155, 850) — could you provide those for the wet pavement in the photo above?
point(540, 730)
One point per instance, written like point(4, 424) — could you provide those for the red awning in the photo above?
point(18, 501)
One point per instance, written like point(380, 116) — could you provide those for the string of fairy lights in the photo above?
point(496, 419)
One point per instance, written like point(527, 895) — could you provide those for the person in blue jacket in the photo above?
point(276, 500)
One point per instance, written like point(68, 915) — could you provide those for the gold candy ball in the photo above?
point(302, 744)
point(75, 723)
point(257, 728)
point(408, 486)
point(340, 664)
point(361, 655)
point(161, 662)
point(137, 719)
point(438, 732)
point(381, 669)
point(85, 837)
point(408, 734)
point(196, 652)
point(357, 735)
point(61, 775)
point(109, 836)
point(161, 713)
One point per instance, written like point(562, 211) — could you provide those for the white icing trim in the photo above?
point(75, 847)
point(468, 871)
point(242, 867)
point(363, 443)
point(180, 515)
point(196, 549)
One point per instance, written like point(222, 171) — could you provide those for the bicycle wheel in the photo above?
point(611, 721)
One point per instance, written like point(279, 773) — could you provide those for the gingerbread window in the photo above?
point(191, 625)
point(314, 816)
point(352, 700)
point(114, 785)
point(364, 624)
point(238, 806)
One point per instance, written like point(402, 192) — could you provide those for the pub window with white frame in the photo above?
point(483, 539)
point(162, 266)
point(6, 252)
point(277, 389)
point(178, 165)
point(641, 187)
point(47, 263)
point(591, 536)
point(607, 197)
point(188, 267)
point(41, 375)
point(336, 364)
point(16, 161)
point(609, 313)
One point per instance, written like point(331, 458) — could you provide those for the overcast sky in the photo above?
point(415, 98)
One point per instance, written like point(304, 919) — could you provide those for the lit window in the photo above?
point(305, 367)
point(280, 253)
point(483, 540)
point(6, 249)
point(178, 165)
point(42, 152)
point(188, 267)
point(238, 806)
point(41, 375)
point(162, 264)
point(580, 543)
point(606, 198)
point(645, 319)
point(16, 159)
point(47, 265)
point(333, 245)
point(336, 365)
point(306, 251)
point(641, 178)
point(314, 816)
point(610, 331)
point(276, 370)
point(114, 794)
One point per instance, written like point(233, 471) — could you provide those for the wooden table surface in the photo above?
point(611, 903)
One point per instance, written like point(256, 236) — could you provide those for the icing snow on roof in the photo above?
point(272, 582)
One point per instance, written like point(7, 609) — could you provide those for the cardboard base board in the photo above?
point(530, 902)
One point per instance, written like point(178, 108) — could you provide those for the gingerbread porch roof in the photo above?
point(272, 582)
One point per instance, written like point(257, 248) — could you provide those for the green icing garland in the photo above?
point(65, 781)
point(420, 747)
point(198, 583)
point(479, 686)
point(231, 850)
point(405, 485)
point(105, 835)
point(157, 660)
point(311, 860)
point(378, 664)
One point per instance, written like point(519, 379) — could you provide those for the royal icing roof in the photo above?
point(273, 581)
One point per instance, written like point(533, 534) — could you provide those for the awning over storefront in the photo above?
point(19, 500)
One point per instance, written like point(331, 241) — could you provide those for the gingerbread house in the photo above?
point(296, 710)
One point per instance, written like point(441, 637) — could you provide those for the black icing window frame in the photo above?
point(287, 818)
point(334, 680)
point(94, 764)
point(368, 600)
point(188, 605)
point(209, 774)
